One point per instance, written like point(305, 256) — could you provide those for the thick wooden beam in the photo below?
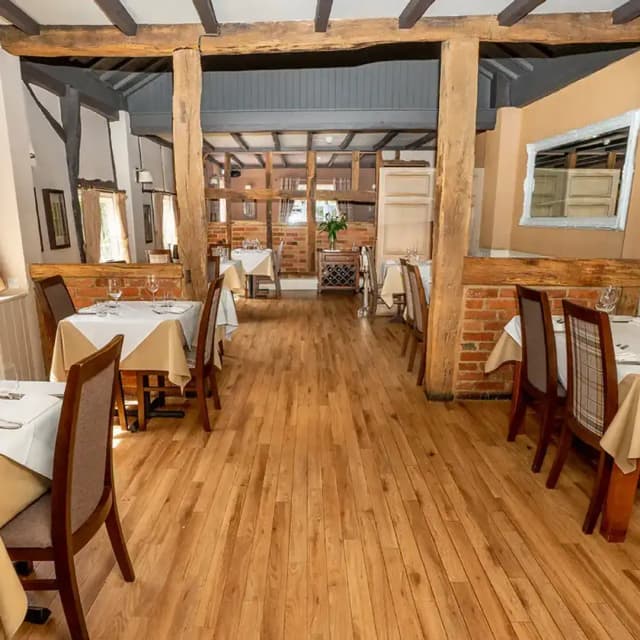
point(298, 36)
point(517, 10)
point(413, 12)
point(268, 173)
point(269, 193)
point(260, 160)
point(323, 11)
point(452, 211)
point(236, 160)
point(240, 141)
point(189, 176)
point(311, 211)
point(70, 115)
point(385, 140)
point(19, 18)
point(355, 170)
point(626, 12)
point(227, 186)
point(422, 141)
point(119, 16)
point(207, 16)
point(347, 140)
point(275, 136)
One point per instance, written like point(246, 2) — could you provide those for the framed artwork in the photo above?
point(148, 223)
point(55, 212)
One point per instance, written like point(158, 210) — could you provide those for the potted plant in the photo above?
point(333, 222)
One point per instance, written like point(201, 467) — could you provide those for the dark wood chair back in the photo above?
point(539, 360)
point(592, 380)
point(404, 270)
point(207, 328)
point(159, 256)
point(213, 268)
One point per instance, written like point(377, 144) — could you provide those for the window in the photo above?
point(297, 213)
point(169, 231)
point(111, 247)
point(326, 207)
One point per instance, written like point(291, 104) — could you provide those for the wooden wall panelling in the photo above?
point(311, 210)
point(454, 186)
point(189, 176)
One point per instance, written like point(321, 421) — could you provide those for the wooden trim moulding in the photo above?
point(142, 270)
point(299, 36)
point(495, 272)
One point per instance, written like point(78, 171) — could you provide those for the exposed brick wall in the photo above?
point(294, 257)
point(217, 233)
point(248, 230)
point(358, 233)
point(485, 312)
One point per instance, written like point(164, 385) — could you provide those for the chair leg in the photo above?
point(214, 388)
point(120, 405)
point(561, 456)
point(423, 363)
point(405, 342)
point(600, 488)
point(118, 543)
point(142, 414)
point(201, 392)
point(544, 438)
point(517, 416)
point(70, 596)
point(412, 353)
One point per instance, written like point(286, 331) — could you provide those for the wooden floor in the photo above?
point(334, 501)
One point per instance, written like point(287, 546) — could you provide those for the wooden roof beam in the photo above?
point(348, 139)
point(237, 160)
point(19, 18)
point(413, 12)
point(385, 140)
point(626, 12)
point(240, 141)
point(420, 142)
point(207, 15)
point(323, 11)
point(119, 16)
point(276, 140)
point(260, 160)
point(517, 10)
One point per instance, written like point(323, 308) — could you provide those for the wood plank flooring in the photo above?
point(333, 501)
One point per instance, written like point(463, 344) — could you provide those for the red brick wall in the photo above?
point(217, 233)
point(485, 312)
point(294, 257)
point(358, 233)
point(248, 230)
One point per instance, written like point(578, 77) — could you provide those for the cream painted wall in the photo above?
point(604, 94)
point(95, 154)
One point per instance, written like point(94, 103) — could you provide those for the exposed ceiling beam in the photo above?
point(323, 11)
point(207, 145)
point(276, 140)
point(309, 140)
point(134, 77)
point(421, 142)
point(237, 160)
point(147, 79)
point(260, 160)
point(504, 51)
point(517, 10)
point(413, 12)
point(385, 140)
point(240, 141)
point(132, 64)
point(332, 159)
point(119, 16)
point(502, 68)
point(285, 164)
point(19, 18)
point(626, 12)
point(207, 15)
point(347, 140)
point(344, 35)
point(160, 141)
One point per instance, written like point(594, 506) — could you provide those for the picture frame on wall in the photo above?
point(55, 213)
point(147, 213)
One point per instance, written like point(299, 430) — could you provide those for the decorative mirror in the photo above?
point(582, 178)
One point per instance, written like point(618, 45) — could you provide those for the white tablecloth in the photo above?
point(255, 262)
point(32, 445)
point(227, 314)
point(392, 283)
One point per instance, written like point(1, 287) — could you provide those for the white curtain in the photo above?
point(121, 199)
point(91, 223)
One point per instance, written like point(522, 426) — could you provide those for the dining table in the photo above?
point(234, 275)
point(29, 415)
point(393, 284)
point(255, 263)
point(622, 437)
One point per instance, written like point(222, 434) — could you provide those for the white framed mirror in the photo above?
point(582, 178)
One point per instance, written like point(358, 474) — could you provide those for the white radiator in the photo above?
point(20, 338)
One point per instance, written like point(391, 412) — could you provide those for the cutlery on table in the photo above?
point(9, 424)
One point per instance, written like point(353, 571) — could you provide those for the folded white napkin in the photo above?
point(18, 412)
point(179, 307)
point(624, 355)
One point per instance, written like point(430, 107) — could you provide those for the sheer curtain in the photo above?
point(91, 223)
point(121, 199)
point(287, 183)
point(345, 208)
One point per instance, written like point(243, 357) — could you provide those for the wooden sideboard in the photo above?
point(338, 270)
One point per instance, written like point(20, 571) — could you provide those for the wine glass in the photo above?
point(115, 291)
point(153, 286)
point(10, 385)
point(608, 299)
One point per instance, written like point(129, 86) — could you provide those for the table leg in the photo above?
point(619, 504)
point(251, 280)
point(517, 371)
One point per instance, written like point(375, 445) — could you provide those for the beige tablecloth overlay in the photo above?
point(20, 487)
point(392, 284)
point(622, 439)
point(234, 276)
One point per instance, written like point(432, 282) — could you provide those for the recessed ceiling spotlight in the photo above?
point(328, 139)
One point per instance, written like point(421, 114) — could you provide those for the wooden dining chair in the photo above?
point(409, 317)
point(82, 497)
point(213, 267)
point(538, 386)
point(159, 256)
point(421, 321)
point(592, 397)
point(200, 360)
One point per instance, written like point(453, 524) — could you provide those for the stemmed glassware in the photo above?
point(608, 299)
point(115, 291)
point(153, 286)
point(10, 385)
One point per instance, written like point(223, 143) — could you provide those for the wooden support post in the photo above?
point(189, 176)
point(268, 170)
point(227, 185)
point(355, 170)
point(454, 184)
point(379, 165)
point(572, 160)
point(70, 111)
point(612, 160)
point(311, 211)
